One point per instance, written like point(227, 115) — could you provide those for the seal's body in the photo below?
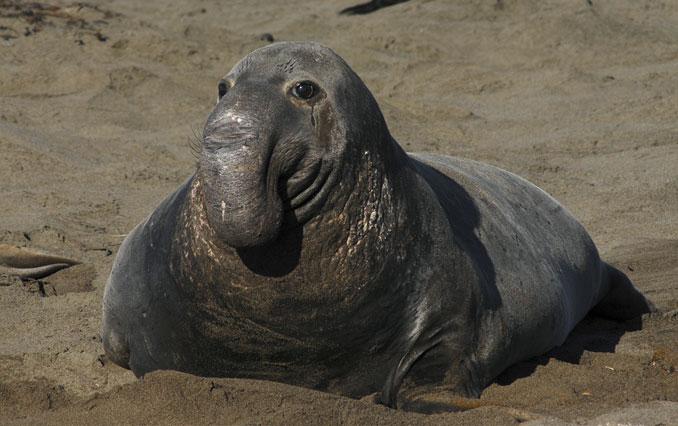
point(309, 248)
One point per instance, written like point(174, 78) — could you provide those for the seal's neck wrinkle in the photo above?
point(365, 212)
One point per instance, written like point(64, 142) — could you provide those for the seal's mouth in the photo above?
point(255, 186)
point(250, 196)
point(307, 190)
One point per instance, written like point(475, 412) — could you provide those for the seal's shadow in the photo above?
point(592, 334)
point(280, 257)
point(463, 217)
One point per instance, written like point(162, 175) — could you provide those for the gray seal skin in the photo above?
point(309, 248)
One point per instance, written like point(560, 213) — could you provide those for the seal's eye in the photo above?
point(304, 90)
point(223, 88)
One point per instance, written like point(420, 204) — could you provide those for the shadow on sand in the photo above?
point(592, 334)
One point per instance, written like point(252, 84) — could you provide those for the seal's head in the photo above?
point(288, 119)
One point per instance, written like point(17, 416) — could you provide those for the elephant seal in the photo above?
point(309, 248)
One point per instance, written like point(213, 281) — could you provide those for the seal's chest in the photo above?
point(264, 315)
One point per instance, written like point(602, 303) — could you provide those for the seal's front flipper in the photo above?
point(623, 301)
point(27, 264)
point(389, 393)
point(116, 346)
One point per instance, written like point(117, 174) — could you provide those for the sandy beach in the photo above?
point(99, 103)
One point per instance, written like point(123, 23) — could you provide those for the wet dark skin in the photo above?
point(309, 248)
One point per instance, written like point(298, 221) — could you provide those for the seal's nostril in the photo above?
point(235, 118)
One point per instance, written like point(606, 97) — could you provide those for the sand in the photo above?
point(99, 102)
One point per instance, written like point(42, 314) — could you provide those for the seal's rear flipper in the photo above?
point(623, 301)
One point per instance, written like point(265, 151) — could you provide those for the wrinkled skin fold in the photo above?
point(309, 248)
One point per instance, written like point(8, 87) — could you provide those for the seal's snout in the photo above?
point(239, 190)
point(229, 124)
point(239, 202)
point(229, 128)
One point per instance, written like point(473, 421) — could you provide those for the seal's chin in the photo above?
point(245, 228)
point(257, 230)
